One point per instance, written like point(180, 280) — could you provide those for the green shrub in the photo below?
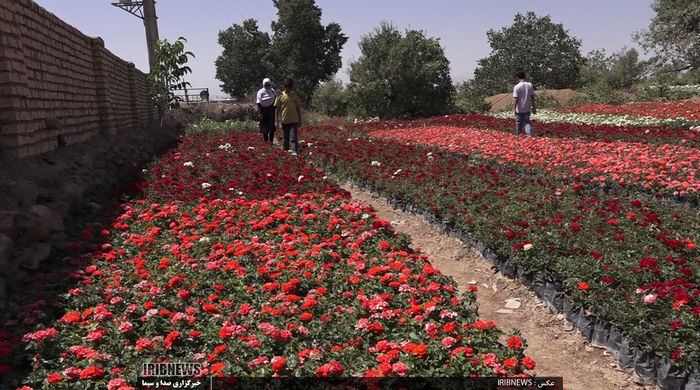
point(330, 98)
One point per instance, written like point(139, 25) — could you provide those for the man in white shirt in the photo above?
point(523, 104)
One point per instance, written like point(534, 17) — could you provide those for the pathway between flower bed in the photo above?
point(558, 352)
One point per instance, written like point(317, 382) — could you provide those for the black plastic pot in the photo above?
point(670, 377)
point(538, 287)
point(626, 357)
point(614, 341)
point(586, 324)
point(601, 333)
point(693, 381)
point(573, 315)
point(558, 301)
point(549, 291)
point(645, 368)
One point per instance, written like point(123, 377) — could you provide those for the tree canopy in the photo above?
point(545, 51)
point(673, 35)
point(300, 47)
point(399, 75)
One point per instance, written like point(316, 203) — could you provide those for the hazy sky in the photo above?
point(461, 25)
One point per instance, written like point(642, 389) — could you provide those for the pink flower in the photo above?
point(490, 360)
point(400, 369)
point(125, 327)
point(649, 298)
point(499, 369)
point(447, 342)
point(116, 384)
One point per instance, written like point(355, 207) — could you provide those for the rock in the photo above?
point(504, 311)
point(85, 161)
point(34, 257)
point(560, 316)
point(513, 303)
point(495, 289)
point(9, 221)
point(3, 293)
point(472, 282)
point(568, 326)
point(5, 252)
point(47, 217)
point(18, 281)
point(23, 193)
point(73, 195)
point(60, 208)
point(31, 230)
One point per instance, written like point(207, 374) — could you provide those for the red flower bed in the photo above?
point(603, 133)
point(651, 166)
point(609, 250)
point(306, 284)
point(662, 110)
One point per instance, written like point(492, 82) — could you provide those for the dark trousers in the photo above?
point(267, 123)
point(291, 134)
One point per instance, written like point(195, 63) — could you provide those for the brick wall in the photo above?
point(56, 81)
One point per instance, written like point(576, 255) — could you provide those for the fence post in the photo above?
point(104, 102)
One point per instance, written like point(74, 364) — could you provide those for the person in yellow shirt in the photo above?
point(288, 114)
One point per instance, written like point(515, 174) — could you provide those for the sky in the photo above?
point(461, 26)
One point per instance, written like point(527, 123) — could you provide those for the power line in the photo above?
point(256, 16)
point(268, 16)
point(229, 5)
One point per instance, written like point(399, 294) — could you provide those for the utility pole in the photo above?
point(145, 10)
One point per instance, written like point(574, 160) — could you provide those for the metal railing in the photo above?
point(193, 95)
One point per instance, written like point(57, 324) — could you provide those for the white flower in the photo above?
point(527, 247)
point(251, 148)
point(205, 186)
point(189, 164)
point(300, 177)
point(204, 240)
point(365, 216)
point(232, 189)
point(325, 177)
point(376, 163)
point(397, 172)
point(144, 170)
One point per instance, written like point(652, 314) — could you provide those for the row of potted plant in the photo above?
point(668, 168)
point(247, 260)
point(631, 261)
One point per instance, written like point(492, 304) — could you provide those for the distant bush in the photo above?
point(471, 105)
point(330, 98)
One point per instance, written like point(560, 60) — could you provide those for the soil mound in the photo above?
point(502, 101)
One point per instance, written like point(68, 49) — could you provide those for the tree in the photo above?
point(545, 51)
point(245, 60)
point(625, 70)
point(673, 35)
point(303, 48)
point(330, 98)
point(399, 75)
point(300, 48)
point(597, 65)
point(167, 74)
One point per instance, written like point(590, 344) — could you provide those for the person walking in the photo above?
point(523, 104)
point(266, 110)
point(288, 114)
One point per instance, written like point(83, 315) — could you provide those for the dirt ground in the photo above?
point(556, 351)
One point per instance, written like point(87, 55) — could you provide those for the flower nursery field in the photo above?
point(250, 261)
point(255, 262)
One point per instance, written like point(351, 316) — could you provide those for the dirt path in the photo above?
point(556, 351)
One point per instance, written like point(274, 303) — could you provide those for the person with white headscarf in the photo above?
point(266, 110)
